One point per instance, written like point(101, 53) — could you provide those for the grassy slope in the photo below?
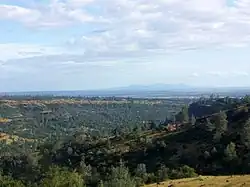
point(220, 181)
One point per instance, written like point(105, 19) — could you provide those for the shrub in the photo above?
point(183, 172)
point(6, 181)
point(58, 177)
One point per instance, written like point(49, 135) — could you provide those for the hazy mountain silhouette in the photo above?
point(153, 87)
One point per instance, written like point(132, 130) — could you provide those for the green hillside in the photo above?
point(201, 143)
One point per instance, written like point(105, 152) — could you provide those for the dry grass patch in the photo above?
point(9, 139)
point(208, 181)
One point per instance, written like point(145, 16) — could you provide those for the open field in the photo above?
point(211, 181)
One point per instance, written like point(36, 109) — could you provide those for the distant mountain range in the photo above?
point(153, 90)
point(152, 87)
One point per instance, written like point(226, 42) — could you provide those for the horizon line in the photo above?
point(110, 89)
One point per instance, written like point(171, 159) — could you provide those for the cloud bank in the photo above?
point(128, 26)
point(118, 33)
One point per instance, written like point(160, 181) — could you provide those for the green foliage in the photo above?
point(246, 99)
point(6, 181)
point(188, 171)
point(207, 155)
point(209, 126)
point(61, 177)
point(246, 133)
point(100, 184)
point(120, 177)
point(52, 118)
point(183, 115)
point(221, 122)
point(230, 152)
point(162, 173)
point(141, 174)
point(141, 170)
point(193, 120)
point(220, 125)
point(84, 169)
point(151, 156)
point(183, 172)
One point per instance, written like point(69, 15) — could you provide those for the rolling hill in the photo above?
point(212, 138)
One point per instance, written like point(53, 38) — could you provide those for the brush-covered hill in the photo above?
point(202, 144)
point(45, 118)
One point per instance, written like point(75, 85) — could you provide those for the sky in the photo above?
point(94, 44)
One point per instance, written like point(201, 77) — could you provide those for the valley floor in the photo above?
point(205, 181)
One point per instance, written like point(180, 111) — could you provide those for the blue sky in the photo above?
point(92, 44)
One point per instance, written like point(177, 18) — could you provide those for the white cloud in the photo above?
point(57, 13)
point(163, 26)
point(195, 75)
point(219, 73)
point(240, 73)
point(118, 32)
point(78, 3)
point(17, 13)
point(19, 51)
point(226, 74)
point(160, 26)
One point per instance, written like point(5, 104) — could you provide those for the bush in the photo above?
point(121, 177)
point(162, 173)
point(151, 178)
point(58, 177)
point(188, 172)
point(183, 172)
point(6, 181)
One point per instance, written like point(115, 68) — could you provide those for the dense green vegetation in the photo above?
point(54, 117)
point(127, 149)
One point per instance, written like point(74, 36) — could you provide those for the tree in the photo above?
point(246, 99)
point(183, 172)
point(162, 173)
point(174, 118)
point(220, 124)
point(230, 152)
point(193, 120)
point(141, 170)
point(188, 171)
point(58, 177)
point(6, 181)
point(214, 151)
point(209, 126)
point(101, 184)
point(141, 174)
point(84, 169)
point(183, 115)
point(120, 177)
point(108, 144)
point(207, 155)
point(152, 125)
point(245, 135)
